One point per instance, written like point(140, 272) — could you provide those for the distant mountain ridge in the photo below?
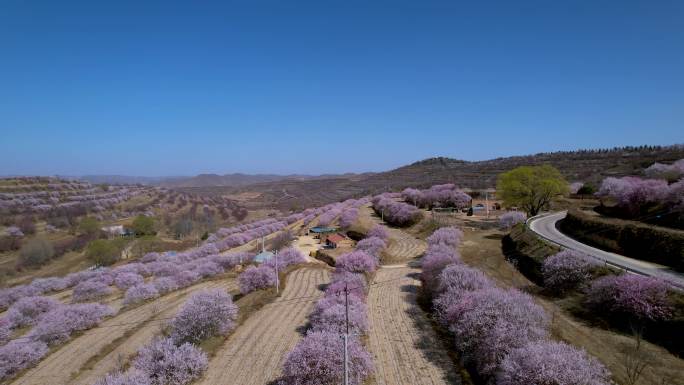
point(301, 191)
point(202, 180)
point(582, 165)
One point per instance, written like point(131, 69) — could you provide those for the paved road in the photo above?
point(545, 226)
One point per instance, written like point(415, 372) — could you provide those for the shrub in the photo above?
point(163, 269)
point(354, 282)
point(286, 257)
point(208, 269)
point(396, 213)
point(5, 330)
point(489, 323)
point(231, 260)
point(566, 270)
point(547, 362)
point(379, 232)
point(254, 278)
point(511, 218)
point(10, 295)
point(329, 314)
point(132, 377)
point(167, 364)
point(318, 359)
point(165, 285)
point(635, 296)
point(328, 217)
point(632, 193)
point(89, 225)
point(454, 281)
point(103, 252)
point(19, 355)
point(143, 225)
point(372, 246)
point(207, 313)
point(348, 217)
point(140, 293)
point(447, 236)
point(186, 278)
point(125, 280)
point(443, 195)
point(26, 311)
point(670, 172)
point(36, 251)
point(282, 239)
point(90, 290)
point(356, 262)
point(434, 261)
point(55, 326)
point(44, 285)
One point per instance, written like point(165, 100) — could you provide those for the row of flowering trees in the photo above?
point(52, 198)
point(629, 297)
point(178, 268)
point(176, 359)
point(501, 334)
point(53, 322)
point(511, 218)
point(318, 358)
point(635, 195)
point(441, 195)
point(154, 275)
point(394, 212)
point(264, 275)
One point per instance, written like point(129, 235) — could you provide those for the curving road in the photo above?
point(545, 226)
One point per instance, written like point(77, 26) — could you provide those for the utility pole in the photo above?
point(276, 272)
point(346, 334)
point(487, 202)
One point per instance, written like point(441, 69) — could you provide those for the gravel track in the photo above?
point(253, 355)
point(405, 348)
point(58, 367)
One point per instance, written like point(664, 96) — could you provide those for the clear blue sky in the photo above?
point(179, 88)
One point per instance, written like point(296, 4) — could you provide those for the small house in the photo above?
point(114, 231)
point(338, 240)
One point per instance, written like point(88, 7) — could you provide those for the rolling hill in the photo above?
point(583, 165)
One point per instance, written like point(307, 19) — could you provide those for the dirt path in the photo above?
point(402, 245)
point(58, 367)
point(253, 355)
point(113, 359)
point(404, 346)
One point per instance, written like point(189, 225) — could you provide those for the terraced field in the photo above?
point(404, 346)
point(64, 365)
point(254, 354)
point(402, 246)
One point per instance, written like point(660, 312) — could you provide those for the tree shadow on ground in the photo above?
point(433, 348)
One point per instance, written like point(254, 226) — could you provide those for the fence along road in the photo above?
point(545, 226)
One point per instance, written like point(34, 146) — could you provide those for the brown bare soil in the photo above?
point(405, 348)
point(70, 359)
point(254, 353)
point(402, 246)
